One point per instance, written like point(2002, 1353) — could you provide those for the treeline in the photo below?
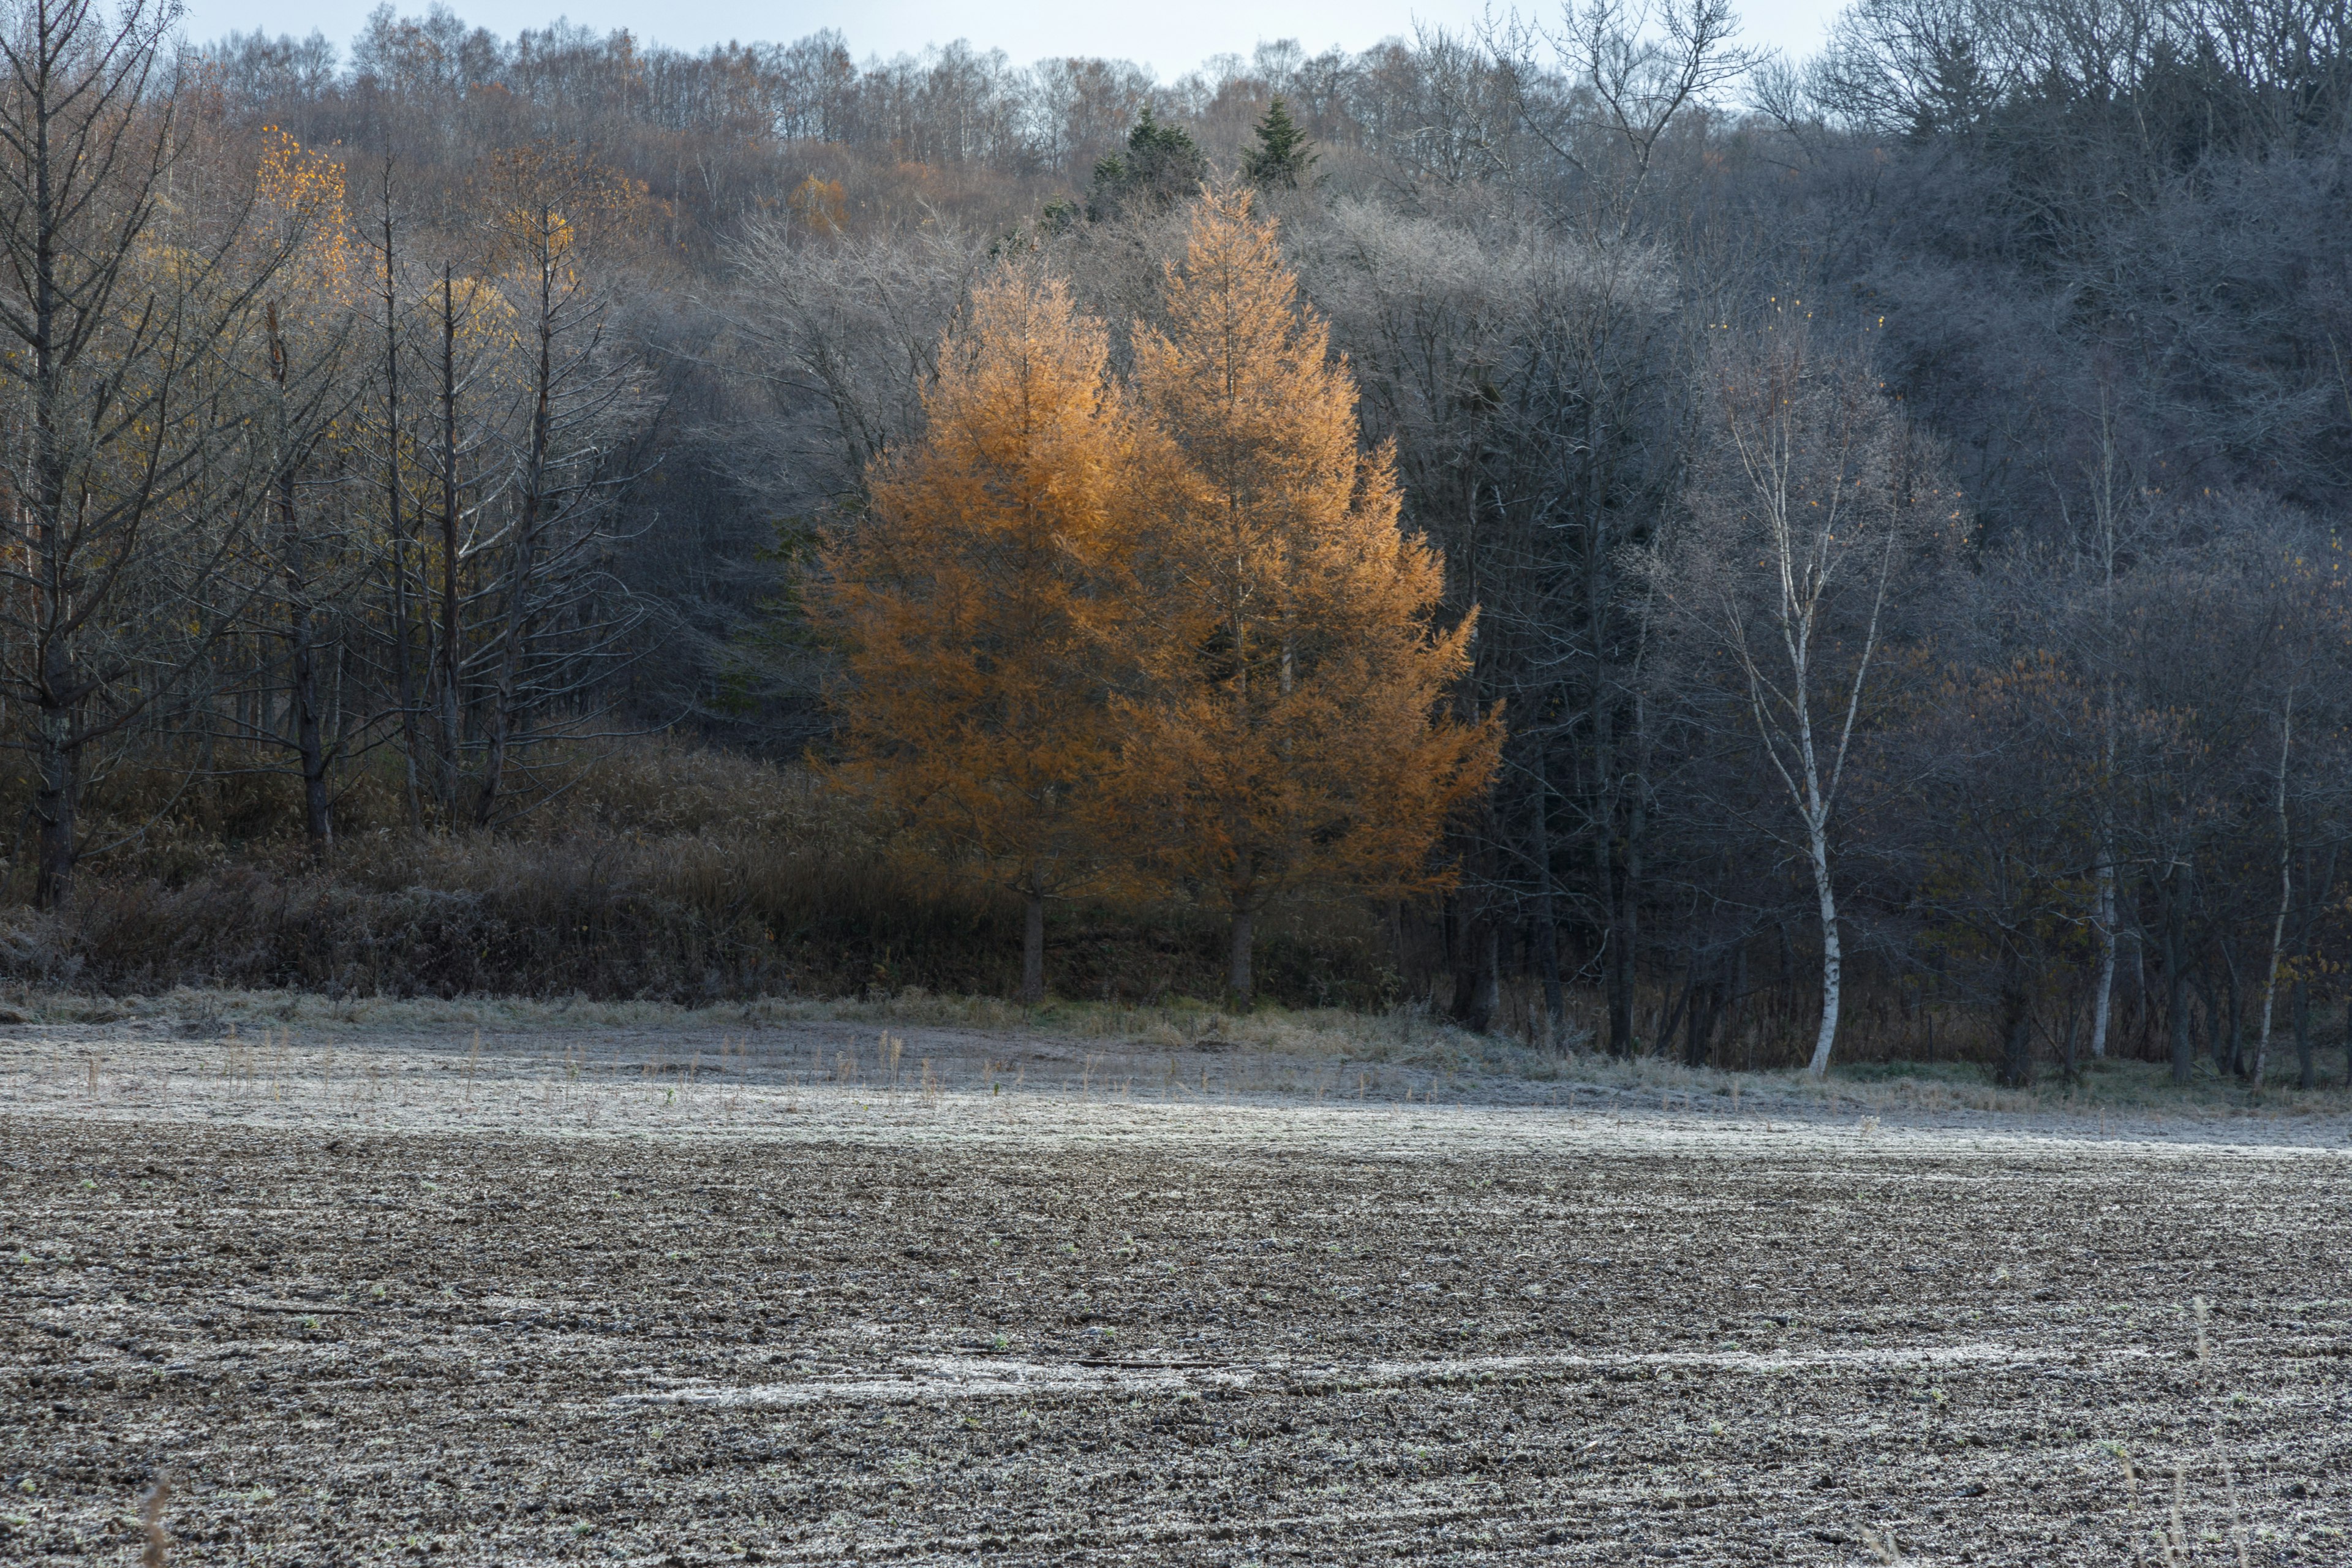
point(1890, 500)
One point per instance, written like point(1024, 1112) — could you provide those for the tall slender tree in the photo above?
point(978, 597)
point(1810, 519)
point(1290, 725)
point(308, 565)
point(547, 201)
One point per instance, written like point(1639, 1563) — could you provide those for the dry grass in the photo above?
point(155, 1552)
point(657, 872)
point(1271, 1050)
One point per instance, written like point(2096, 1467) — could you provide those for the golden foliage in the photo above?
point(543, 199)
point(299, 201)
point(976, 599)
point(1178, 638)
point(821, 205)
point(1291, 722)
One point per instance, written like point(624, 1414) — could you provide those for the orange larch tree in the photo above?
point(1289, 724)
point(975, 598)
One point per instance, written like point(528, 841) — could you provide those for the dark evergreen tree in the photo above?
point(1162, 166)
point(1282, 156)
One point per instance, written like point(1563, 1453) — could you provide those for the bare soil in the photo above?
point(678, 1296)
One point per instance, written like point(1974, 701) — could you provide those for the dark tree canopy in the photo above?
point(1282, 156)
point(1160, 167)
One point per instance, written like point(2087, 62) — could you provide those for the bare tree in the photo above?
point(1628, 72)
point(549, 202)
point(107, 542)
point(1808, 517)
point(307, 567)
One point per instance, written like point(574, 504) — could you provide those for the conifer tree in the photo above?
point(975, 599)
point(1289, 726)
point(1161, 167)
point(1282, 156)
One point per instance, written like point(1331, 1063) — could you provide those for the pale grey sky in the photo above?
point(1171, 37)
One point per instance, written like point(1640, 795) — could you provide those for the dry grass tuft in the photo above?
point(150, 1523)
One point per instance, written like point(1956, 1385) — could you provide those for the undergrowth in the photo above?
point(658, 874)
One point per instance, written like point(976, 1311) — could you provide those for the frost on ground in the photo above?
point(820, 1295)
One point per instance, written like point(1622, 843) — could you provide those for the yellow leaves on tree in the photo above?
point(1180, 636)
point(976, 599)
point(298, 213)
point(819, 205)
point(542, 199)
point(1289, 726)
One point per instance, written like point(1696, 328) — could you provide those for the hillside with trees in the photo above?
point(1586, 528)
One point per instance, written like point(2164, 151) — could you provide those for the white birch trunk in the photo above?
point(1808, 561)
point(1832, 956)
point(2102, 1003)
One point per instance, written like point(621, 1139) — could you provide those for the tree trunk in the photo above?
point(2175, 972)
point(310, 744)
point(497, 720)
point(57, 765)
point(1627, 949)
point(2209, 1011)
point(1833, 957)
point(2104, 493)
point(1686, 1001)
point(396, 519)
point(2017, 1034)
point(1488, 1002)
point(1239, 985)
point(2286, 895)
point(1461, 957)
point(1734, 1002)
point(450, 658)
point(1616, 968)
point(1618, 971)
point(2102, 1002)
point(2230, 1032)
point(1699, 1030)
point(1622, 935)
point(526, 543)
point(2307, 1062)
point(56, 791)
point(1547, 920)
point(1033, 948)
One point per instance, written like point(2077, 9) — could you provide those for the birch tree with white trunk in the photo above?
point(1811, 512)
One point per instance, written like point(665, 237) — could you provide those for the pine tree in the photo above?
point(1283, 155)
point(1288, 727)
point(975, 600)
point(1162, 166)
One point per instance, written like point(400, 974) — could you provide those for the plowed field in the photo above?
point(571, 1300)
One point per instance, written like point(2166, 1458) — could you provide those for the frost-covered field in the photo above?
point(821, 1295)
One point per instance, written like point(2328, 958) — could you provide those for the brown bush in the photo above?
point(657, 872)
